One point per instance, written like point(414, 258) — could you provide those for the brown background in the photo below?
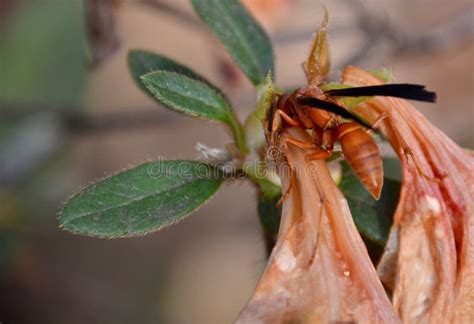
point(204, 269)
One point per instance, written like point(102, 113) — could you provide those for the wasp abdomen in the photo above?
point(363, 156)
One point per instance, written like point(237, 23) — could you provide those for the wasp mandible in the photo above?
point(316, 110)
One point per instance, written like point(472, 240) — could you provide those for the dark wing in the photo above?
point(269, 118)
point(399, 90)
point(333, 108)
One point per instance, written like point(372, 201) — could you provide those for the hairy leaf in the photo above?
point(384, 74)
point(243, 37)
point(253, 125)
point(269, 215)
point(348, 102)
point(144, 199)
point(141, 62)
point(189, 96)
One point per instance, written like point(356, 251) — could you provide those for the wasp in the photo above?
point(317, 111)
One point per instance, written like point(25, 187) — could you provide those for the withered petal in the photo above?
point(319, 270)
point(433, 231)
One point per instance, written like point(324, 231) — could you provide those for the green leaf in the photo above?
point(141, 62)
point(384, 74)
point(261, 174)
point(243, 37)
point(144, 199)
point(265, 95)
point(392, 169)
point(269, 215)
point(267, 187)
point(188, 96)
point(373, 218)
point(194, 98)
point(348, 102)
point(253, 124)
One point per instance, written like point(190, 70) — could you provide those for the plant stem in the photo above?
point(239, 136)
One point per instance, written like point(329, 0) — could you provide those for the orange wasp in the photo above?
point(314, 109)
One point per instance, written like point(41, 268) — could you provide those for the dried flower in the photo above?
point(429, 260)
point(319, 269)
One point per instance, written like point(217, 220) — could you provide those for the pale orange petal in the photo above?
point(431, 249)
point(319, 270)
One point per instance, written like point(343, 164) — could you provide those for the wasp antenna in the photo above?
point(400, 90)
point(332, 108)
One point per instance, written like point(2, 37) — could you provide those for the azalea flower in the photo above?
point(429, 260)
point(319, 269)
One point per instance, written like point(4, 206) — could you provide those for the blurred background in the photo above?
point(70, 114)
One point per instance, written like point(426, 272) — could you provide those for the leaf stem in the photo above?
point(266, 180)
point(239, 136)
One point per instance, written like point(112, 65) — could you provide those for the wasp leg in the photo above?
point(321, 155)
point(305, 145)
point(408, 152)
point(300, 144)
point(287, 191)
point(283, 115)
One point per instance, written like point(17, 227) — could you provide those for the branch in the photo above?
point(101, 29)
point(74, 121)
point(455, 31)
point(172, 10)
point(38, 135)
point(378, 29)
point(92, 124)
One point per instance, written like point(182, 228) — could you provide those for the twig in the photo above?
point(172, 10)
point(74, 121)
point(90, 125)
point(455, 31)
point(378, 30)
point(101, 29)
